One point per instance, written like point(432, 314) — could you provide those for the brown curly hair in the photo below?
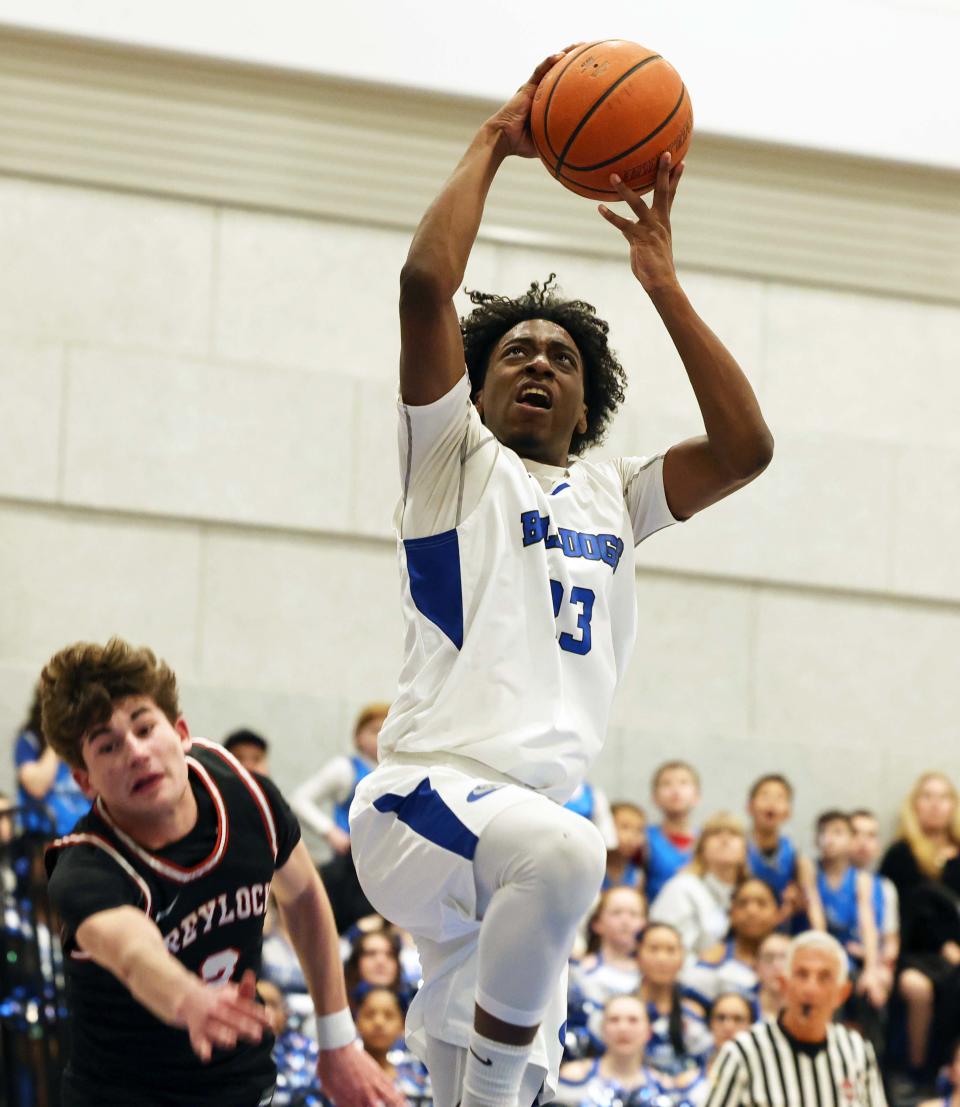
point(80, 685)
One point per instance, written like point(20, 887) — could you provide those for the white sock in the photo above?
point(494, 1072)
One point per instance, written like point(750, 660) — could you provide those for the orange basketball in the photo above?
point(610, 107)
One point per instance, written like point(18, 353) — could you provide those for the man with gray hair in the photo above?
point(803, 1058)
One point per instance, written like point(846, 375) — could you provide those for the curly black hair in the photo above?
point(604, 378)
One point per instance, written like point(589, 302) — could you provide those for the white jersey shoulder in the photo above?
point(518, 596)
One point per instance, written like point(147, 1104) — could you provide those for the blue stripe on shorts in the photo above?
point(425, 813)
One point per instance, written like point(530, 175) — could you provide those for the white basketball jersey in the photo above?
point(518, 596)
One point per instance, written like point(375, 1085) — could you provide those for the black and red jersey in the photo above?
point(208, 895)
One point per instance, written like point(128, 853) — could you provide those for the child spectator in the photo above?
point(379, 1019)
point(610, 965)
point(696, 902)
point(333, 788)
point(847, 898)
point(773, 857)
point(729, 1013)
point(621, 1074)
point(771, 974)
point(252, 750)
point(676, 792)
point(864, 854)
point(679, 1038)
point(732, 965)
point(625, 861)
point(50, 799)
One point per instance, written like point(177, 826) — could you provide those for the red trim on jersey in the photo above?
point(169, 869)
point(102, 843)
point(252, 787)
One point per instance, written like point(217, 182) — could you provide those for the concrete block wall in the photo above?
point(199, 453)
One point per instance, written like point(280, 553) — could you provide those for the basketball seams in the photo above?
point(636, 146)
point(553, 88)
point(591, 111)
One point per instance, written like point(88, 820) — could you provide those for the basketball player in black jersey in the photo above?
point(162, 890)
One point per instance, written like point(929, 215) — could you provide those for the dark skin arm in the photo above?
point(738, 445)
point(431, 348)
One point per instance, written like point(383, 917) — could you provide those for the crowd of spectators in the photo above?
point(685, 947)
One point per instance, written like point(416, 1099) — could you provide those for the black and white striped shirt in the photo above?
point(766, 1067)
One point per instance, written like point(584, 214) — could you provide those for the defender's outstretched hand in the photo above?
point(513, 119)
point(649, 235)
point(220, 1015)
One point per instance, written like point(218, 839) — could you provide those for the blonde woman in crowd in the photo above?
point(924, 866)
point(696, 902)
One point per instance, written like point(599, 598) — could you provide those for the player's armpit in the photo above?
point(296, 877)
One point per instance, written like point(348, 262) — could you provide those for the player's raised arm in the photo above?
point(431, 350)
point(350, 1077)
point(738, 444)
point(127, 944)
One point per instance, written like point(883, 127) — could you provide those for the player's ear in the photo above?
point(478, 402)
point(582, 421)
point(82, 778)
point(186, 740)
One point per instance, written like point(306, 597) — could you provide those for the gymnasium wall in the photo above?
point(199, 453)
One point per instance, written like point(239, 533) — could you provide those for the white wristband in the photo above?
point(337, 1030)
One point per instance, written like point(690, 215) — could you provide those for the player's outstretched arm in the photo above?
point(349, 1077)
point(738, 444)
point(128, 944)
point(431, 349)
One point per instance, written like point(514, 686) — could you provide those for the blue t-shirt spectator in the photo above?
point(57, 811)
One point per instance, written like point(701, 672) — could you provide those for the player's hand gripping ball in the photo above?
point(610, 107)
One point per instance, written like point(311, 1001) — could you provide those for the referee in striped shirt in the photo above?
point(803, 1059)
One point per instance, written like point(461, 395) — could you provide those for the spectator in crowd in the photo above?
point(729, 1014)
point(379, 1017)
point(864, 854)
point(847, 897)
point(374, 961)
point(322, 804)
point(621, 1074)
point(625, 860)
point(294, 1053)
point(771, 975)
point(679, 1037)
point(609, 967)
point(697, 900)
point(802, 1058)
point(323, 801)
point(251, 749)
point(6, 820)
point(951, 1080)
point(773, 857)
point(50, 799)
point(676, 792)
point(924, 866)
point(731, 966)
point(590, 801)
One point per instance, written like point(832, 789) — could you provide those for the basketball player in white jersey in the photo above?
point(517, 570)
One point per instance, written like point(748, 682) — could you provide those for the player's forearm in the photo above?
point(158, 981)
point(442, 243)
point(739, 437)
point(313, 932)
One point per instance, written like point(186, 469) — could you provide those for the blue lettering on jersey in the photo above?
point(607, 548)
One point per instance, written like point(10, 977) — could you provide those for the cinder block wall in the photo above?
point(199, 453)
